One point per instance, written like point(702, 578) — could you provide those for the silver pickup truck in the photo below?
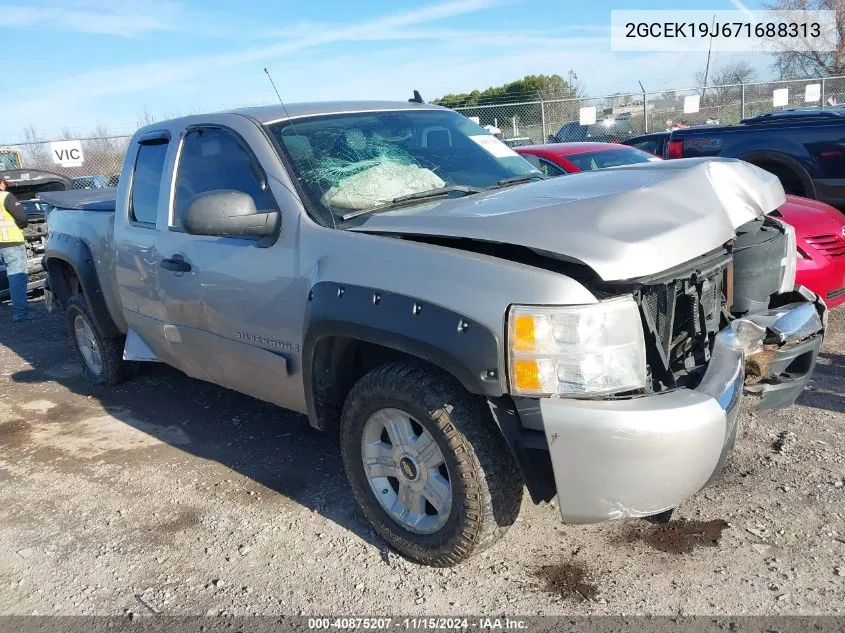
point(468, 327)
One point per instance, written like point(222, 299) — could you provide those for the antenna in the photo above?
point(276, 90)
point(293, 127)
point(416, 98)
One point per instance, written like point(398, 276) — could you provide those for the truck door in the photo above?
point(136, 231)
point(230, 301)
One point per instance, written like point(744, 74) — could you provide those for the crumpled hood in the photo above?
point(624, 222)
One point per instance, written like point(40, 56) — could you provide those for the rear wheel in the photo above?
point(430, 470)
point(101, 357)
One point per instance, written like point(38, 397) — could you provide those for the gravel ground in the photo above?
point(175, 496)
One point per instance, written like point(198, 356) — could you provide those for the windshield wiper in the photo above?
point(435, 193)
point(515, 180)
point(412, 197)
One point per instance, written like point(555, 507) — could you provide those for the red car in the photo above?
point(820, 235)
point(819, 228)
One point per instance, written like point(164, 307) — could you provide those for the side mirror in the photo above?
point(229, 213)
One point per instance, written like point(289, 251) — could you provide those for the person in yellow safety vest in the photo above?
point(13, 250)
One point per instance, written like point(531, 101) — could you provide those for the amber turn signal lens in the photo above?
point(523, 332)
point(526, 375)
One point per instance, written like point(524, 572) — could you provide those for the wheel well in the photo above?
point(789, 179)
point(338, 363)
point(794, 178)
point(64, 282)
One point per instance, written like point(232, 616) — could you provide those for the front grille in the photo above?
point(682, 317)
point(830, 244)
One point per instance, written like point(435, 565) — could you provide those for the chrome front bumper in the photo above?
point(640, 456)
point(783, 357)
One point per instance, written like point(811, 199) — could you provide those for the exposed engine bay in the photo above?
point(748, 279)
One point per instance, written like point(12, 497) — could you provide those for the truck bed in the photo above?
point(82, 199)
point(87, 217)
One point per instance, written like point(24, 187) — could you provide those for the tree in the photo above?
point(737, 72)
point(809, 64)
point(529, 88)
point(146, 118)
point(104, 151)
point(517, 103)
point(721, 87)
point(36, 152)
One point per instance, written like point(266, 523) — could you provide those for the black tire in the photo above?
point(114, 369)
point(485, 480)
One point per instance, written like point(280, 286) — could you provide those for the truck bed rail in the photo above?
point(82, 199)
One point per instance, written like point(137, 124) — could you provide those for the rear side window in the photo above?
point(610, 158)
point(544, 166)
point(146, 182)
point(649, 145)
point(216, 159)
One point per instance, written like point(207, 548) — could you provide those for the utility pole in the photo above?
point(742, 102)
point(709, 51)
point(645, 107)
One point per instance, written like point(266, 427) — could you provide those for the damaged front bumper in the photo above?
point(781, 349)
point(640, 456)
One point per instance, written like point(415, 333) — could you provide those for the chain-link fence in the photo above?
point(623, 115)
point(617, 116)
point(87, 163)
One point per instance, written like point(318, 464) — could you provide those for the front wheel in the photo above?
point(427, 464)
point(101, 357)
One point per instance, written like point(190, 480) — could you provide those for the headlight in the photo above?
point(576, 350)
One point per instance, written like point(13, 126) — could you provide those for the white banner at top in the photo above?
point(726, 30)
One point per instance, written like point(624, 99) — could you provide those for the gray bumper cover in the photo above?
point(640, 456)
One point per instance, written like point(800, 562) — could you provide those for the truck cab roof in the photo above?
point(793, 114)
point(275, 113)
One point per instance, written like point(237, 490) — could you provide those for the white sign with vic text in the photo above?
point(67, 153)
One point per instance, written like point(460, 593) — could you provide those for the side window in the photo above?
point(533, 160)
point(550, 169)
point(216, 159)
point(649, 145)
point(146, 182)
point(547, 168)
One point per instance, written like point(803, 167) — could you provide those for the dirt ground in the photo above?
point(169, 495)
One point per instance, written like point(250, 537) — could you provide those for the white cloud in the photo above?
point(415, 54)
point(137, 78)
point(126, 19)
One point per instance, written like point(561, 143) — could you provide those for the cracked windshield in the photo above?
point(353, 164)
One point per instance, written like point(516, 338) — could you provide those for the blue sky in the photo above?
point(80, 63)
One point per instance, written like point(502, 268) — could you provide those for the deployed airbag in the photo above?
point(379, 185)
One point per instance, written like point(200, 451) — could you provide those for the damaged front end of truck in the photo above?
point(695, 283)
point(748, 285)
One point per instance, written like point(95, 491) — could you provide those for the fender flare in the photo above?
point(787, 161)
point(467, 350)
point(75, 253)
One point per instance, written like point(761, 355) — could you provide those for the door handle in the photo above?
point(176, 264)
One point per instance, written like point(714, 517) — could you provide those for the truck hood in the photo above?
point(624, 222)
